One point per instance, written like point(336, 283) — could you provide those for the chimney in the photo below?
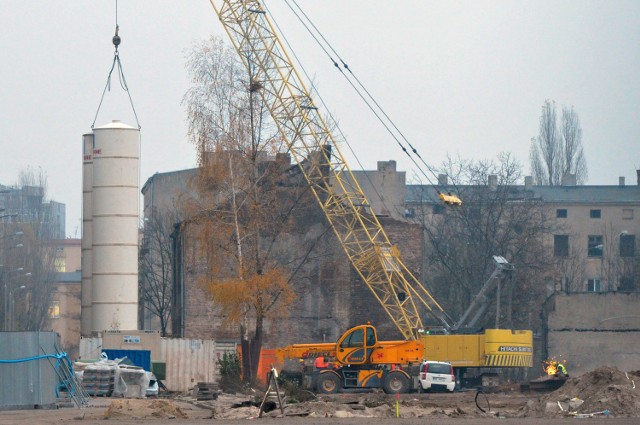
point(528, 182)
point(493, 181)
point(569, 180)
point(638, 174)
point(389, 166)
point(442, 180)
point(283, 159)
point(621, 181)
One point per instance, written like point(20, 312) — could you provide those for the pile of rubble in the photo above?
point(369, 405)
point(144, 409)
point(605, 391)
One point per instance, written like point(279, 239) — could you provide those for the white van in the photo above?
point(436, 376)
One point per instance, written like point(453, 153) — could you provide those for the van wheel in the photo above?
point(396, 382)
point(328, 383)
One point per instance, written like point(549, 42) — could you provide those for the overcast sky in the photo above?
point(457, 77)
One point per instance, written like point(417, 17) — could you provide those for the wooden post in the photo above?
point(273, 380)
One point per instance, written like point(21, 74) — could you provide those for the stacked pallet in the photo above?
point(99, 379)
point(206, 391)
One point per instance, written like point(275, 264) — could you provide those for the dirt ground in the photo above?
point(603, 395)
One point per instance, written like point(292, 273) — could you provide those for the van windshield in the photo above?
point(438, 368)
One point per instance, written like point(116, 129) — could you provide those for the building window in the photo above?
point(627, 284)
point(60, 265)
point(561, 245)
point(561, 213)
point(627, 214)
point(595, 246)
point(594, 214)
point(54, 310)
point(627, 245)
point(409, 213)
point(593, 285)
point(565, 284)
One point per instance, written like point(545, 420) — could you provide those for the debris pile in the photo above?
point(604, 391)
point(144, 409)
point(358, 405)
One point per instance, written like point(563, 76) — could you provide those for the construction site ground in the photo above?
point(603, 395)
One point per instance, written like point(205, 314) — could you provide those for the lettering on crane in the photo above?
point(514, 349)
point(310, 355)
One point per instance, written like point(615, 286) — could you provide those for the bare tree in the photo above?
point(574, 161)
point(545, 149)
point(557, 153)
point(495, 218)
point(156, 261)
point(572, 268)
point(245, 211)
point(32, 311)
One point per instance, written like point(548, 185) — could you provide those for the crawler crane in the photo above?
point(391, 365)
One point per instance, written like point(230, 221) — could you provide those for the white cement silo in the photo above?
point(87, 224)
point(115, 212)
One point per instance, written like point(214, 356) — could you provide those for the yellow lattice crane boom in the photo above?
point(314, 148)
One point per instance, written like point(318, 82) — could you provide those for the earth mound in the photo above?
point(604, 391)
point(143, 409)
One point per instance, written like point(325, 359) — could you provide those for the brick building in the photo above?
point(332, 296)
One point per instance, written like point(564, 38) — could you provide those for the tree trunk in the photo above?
point(246, 354)
point(250, 349)
point(256, 347)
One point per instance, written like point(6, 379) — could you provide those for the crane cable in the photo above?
point(334, 122)
point(123, 81)
point(447, 199)
point(346, 66)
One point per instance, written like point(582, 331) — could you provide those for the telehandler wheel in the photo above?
point(328, 383)
point(396, 382)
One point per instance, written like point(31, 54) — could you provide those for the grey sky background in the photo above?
point(462, 78)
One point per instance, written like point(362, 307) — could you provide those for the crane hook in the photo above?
point(116, 38)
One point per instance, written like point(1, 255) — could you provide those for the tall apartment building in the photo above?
point(27, 204)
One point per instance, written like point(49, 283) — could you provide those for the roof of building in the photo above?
point(563, 194)
point(187, 171)
point(589, 194)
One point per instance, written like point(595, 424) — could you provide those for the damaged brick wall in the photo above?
point(331, 295)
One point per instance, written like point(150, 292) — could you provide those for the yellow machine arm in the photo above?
point(450, 199)
point(316, 152)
